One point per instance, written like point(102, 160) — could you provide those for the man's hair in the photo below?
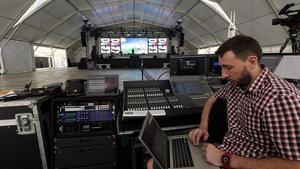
point(242, 46)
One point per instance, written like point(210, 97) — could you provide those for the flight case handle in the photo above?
point(25, 124)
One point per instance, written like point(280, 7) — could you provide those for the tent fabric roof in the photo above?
point(59, 22)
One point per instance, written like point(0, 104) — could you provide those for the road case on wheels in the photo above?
point(23, 124)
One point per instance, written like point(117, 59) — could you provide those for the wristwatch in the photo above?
point(226, 160)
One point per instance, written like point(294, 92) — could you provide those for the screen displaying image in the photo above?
point(105, 45)
point(152, 42)
point(138, 45)
point(105, 41)
point(162, 45)
point(115, 45)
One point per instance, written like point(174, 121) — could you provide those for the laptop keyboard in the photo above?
point(181, 153)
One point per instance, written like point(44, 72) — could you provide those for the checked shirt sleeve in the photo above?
point(282, 121)
point(223, 91)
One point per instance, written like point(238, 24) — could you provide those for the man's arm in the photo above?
point(206, 110)
point(202, 131)
point(213, 155)
point(264, 163)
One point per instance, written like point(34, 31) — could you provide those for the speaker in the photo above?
point(75, 87)
point(83, 38)
point(170, 34)
point(173, 50)
point(181, 39)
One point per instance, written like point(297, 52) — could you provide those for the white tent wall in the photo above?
point(17, 57)
point(60, 58)
point(289, 67)
point(76, 54)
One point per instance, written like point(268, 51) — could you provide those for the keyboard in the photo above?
point(181, 153)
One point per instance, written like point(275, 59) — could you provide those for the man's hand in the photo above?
point(196, 134)
point(150, 164)
point(212, 154)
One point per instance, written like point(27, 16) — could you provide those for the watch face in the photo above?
point(225, 159)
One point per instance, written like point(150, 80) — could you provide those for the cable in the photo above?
point(162, 74)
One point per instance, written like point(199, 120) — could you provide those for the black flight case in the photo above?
point(23, 126)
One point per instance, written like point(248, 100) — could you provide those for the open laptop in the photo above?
point(174, 152)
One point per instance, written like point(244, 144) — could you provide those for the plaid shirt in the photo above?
point(263, 121)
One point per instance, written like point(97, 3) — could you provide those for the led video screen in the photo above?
point(139, 45)
point(152, 45)
point(162, 45)
point(105, 45)
point(115, 45)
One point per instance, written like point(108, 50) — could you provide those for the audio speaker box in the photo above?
point(173, 50)
point(181, 39)
point(83, 38)
point(170, 34)
point(75, 87)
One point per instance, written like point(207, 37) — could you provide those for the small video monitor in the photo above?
point(213, 66)
point(98, 85)
point(188, 65)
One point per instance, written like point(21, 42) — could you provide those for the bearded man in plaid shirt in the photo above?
point(263, 113)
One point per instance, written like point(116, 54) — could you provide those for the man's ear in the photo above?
point(253, 61)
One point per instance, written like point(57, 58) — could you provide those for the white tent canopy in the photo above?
point(57, 23)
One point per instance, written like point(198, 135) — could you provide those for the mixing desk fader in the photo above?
point(137, 104)
point(174, 102)
point(136, 99)
point(153, 92)
point(135, 93)
point(158, 98)
point(199, 100)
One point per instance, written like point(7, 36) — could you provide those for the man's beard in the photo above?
point(245, 80)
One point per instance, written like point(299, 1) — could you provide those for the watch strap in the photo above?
point(226, 160)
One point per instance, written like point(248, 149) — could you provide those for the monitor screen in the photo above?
point(115, 45)
point(271, 61)
point(162, 45)
point(152, 45)
point(102, 85)
point(213, 67)
point(136, 45)
point(105, 45)
point(188, 65)
point(155, 140)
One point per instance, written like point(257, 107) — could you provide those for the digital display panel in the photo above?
point(115, 45)
point(139, 45)
point(152, 42)
point(162, 45)
point(105, 45)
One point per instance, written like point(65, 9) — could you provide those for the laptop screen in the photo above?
point(155, 140)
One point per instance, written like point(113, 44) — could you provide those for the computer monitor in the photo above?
point(188, 65)
point(102, 85)
point(213, 66)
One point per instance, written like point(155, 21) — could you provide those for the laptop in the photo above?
point(174, 152)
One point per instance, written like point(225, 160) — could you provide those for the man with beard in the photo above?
point(263, 113)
